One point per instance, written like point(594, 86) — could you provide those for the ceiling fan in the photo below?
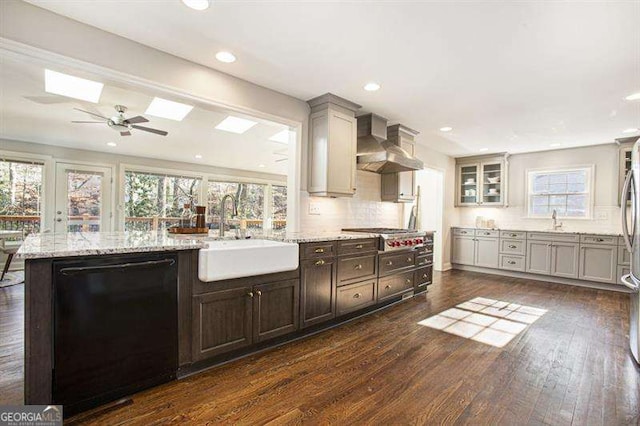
point(121, 124)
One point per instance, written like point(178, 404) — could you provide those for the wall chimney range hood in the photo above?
point(376, 153)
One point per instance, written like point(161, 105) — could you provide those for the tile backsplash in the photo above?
point(364, 209)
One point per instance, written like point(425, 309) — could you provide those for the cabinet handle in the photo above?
point(409, 259)
point(259, 293)
point(512, 246)
point(513, 235)
point(422, 262)
point(401, 194)
point(599, 239)
point(357, 296)
point(511, 262)
point(320, 262)
point(358, 267)
point(359, 246)
point(319, 250)
point(408, 281)
point(250, 294)
point(387, 287)
point(424, 275)
point(487, 233)
point(389, 263)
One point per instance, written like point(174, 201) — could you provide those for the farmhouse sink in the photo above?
point(225, 259)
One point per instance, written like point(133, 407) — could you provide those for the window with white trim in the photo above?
point(567, 191)
point(21, 184)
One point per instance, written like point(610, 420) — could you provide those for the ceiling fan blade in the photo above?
point(125, 133)
point(89, 122)
point(150, 130)
point(137, 119)
point(91, 113)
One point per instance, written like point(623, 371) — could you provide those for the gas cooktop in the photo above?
point(381, 230)
point(395, 238)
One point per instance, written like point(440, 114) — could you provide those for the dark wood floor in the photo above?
point(572, 366)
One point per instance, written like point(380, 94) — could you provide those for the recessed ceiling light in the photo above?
point(226, 57)
point(235, 125)
point(168, 109)
point(198, 156)
point(483, 149)
point(630, 130)
point(371, 87)
point(262, 166)
point(446, 129)
point(555, 145)
point(197, 4)
point(281, 137)
point(633, 97)
point(112, 144)
point(72, 87)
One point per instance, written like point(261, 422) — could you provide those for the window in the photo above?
point(567, 191)
point(155, 200)
point(279, 206)
point(20, 195)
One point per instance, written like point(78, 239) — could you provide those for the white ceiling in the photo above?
point(28, 113)
point(506, 76)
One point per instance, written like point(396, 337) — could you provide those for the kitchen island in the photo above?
point(193, 324)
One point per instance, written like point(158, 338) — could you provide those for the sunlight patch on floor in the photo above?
point(489, 321)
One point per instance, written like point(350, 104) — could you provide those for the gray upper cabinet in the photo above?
point(486, 252)
point(599, 263)
point(463, 249)
point(332, 146)
point(400, 187)
point(564, 259)
point(482, 180)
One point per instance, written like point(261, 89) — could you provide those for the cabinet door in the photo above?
point(463, 249)
point(492, 183)
point(318, 290)
point(275, 309)
point(564, 259)
point(406, 180)
point(221, 322)
point(538, 257)
point(598, 263)
point(486, 252)
point(468, 187)
point(341, 177)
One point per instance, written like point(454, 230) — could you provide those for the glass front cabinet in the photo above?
point(481, 181)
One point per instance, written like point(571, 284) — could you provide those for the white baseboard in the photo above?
point(546, 278)
point(445, 267)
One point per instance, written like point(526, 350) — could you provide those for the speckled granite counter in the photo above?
point(560, 231)
point(38, 246)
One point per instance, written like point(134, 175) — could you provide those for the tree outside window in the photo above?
point(20, 195)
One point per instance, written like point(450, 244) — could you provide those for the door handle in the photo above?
point(623, 209)
point(628, 282)
point(120, 267)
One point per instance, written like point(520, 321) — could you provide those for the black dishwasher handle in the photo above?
point(121, 267)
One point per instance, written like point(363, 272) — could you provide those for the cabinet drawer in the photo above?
point(395, 285)
point(518, 247)
point(356, 268)
point(599, 239)
point(311, 250)
point(428, 239)
point(427, 249)
point(392, 262)
point(423, 277)
point(624, 257)
point(512, 263)
point(553, 236)
point(487, 233)
point(357, 246)
point(356, 296)
point(424, 260)
point(514, 235)
point(469, 232)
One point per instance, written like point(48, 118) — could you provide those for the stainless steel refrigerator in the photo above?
point(631, 232)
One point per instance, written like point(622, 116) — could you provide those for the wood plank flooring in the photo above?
point(572, 366)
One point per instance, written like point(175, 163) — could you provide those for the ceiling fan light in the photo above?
point(58, 83)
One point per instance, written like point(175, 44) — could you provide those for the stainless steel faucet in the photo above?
point(554, 221)
point(234, 211)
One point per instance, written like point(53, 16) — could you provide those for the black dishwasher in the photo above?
point(115, 327)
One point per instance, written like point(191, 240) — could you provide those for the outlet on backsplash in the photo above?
point(314, 208)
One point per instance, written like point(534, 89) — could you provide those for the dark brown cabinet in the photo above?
point(356, 296)
point(395, 285)
point(395, 262)
point(222, 322)
point(318, 290)
point(275, 309)
point(356, 268)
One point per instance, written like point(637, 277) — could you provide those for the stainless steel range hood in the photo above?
point(376, 153)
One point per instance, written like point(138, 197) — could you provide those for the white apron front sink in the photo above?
point(225, 259)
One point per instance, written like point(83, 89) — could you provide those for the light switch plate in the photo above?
point(314, 208)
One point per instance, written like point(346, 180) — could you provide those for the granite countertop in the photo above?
point(557, 231)
point(96, 243)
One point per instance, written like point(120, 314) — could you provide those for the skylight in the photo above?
point(72, 87)
point(235, 125)
point(168, 109)
point(281, 137)
point(488, 321)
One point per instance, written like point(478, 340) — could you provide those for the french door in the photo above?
point(83, 198)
